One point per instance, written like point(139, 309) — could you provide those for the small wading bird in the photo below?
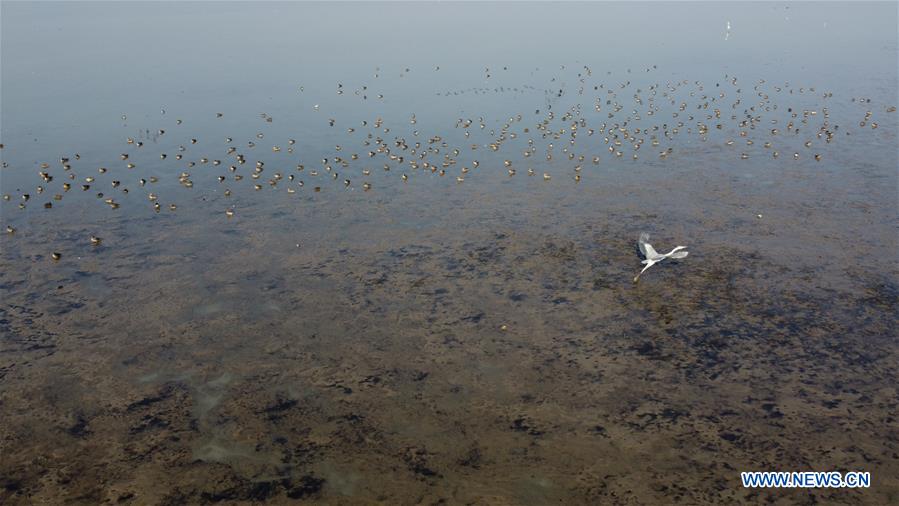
point(652, 256)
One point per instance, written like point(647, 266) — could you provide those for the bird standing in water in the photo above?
point(652, 256)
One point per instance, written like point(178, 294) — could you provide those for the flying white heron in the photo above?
point(652, 256)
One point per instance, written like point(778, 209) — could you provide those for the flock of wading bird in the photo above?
point(622, 122)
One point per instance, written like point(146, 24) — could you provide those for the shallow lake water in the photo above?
point(399, 266)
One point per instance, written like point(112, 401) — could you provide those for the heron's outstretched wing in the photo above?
point(641, 242)
point(679, 254)
point(649, 263)
point(648, 251)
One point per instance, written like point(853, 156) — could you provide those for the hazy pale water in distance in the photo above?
point(430, 339)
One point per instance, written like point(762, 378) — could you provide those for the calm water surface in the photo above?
point(393, 317)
